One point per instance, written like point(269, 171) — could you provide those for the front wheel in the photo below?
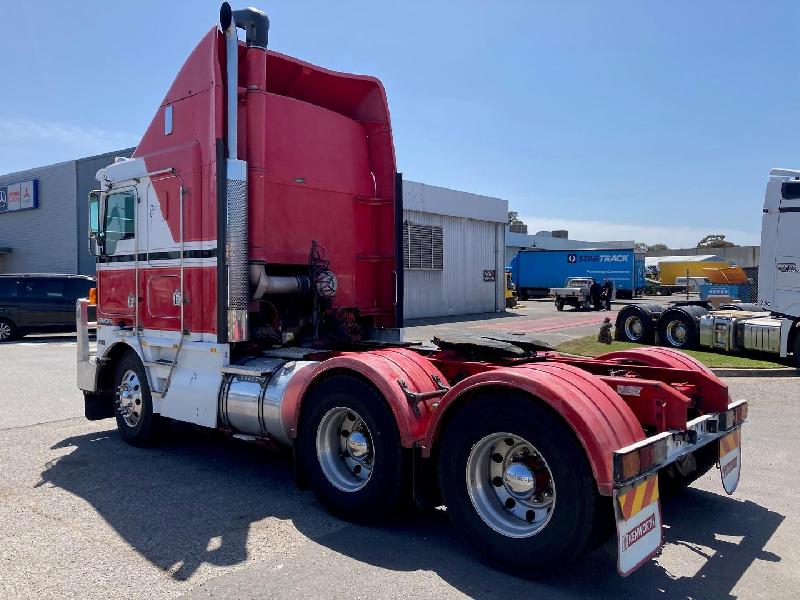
point(349, 450)
point(559, 304)
point(517, 485)
point(133, 404)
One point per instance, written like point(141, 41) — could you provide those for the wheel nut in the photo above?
point(510, 503)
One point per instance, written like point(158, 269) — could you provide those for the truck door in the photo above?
point(118, 266)
point(162, 284)
point(787, 246)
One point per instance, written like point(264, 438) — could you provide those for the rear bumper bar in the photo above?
point(669, 446)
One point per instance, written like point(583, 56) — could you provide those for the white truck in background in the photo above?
point(770, 326)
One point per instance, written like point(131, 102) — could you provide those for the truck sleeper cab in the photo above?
point(276, 340)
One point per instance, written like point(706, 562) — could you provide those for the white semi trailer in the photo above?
point(769, 326)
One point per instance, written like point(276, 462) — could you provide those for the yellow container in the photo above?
point(671, 270)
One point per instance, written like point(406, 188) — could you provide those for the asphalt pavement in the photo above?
point(83, 515)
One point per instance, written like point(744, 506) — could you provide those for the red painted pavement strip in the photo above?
point(551, 323)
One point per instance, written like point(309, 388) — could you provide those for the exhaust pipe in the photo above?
point(256, 25)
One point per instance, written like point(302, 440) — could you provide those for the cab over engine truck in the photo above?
point(770, 326)
point(249, 280)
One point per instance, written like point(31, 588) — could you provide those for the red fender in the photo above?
point(384, 369)
point(660, 357)
point(601, 420)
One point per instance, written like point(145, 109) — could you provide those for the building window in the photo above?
point(423, 246)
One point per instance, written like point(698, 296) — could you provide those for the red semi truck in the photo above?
point(249, 279)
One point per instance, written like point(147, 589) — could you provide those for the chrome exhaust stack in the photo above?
point(256, 25)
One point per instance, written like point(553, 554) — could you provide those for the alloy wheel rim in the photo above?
point(5, 331)
point(345, 449)
point(677, 333)
point(129, 398)
point(510, 485)
point(634, 328)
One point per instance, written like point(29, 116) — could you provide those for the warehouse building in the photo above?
point(454, 251)
point(453, 242)
point(43, 220)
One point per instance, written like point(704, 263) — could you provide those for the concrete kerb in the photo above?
point(780, 372)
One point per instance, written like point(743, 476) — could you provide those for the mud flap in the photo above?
point(638, 516)
point(730, 460)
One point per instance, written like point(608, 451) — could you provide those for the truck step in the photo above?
point(246, 371)
point(290, 352)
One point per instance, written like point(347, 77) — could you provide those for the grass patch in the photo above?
point(589, 346)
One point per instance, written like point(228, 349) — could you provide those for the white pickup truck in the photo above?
point(574, 293)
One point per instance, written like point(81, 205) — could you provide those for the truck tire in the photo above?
point(517, 486)
point(350, 453)
point(678, 327)
point(559, 304)
point(8, 331)
point(635, 324)
point(133, 404)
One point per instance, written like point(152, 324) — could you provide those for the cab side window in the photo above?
point(120, 207)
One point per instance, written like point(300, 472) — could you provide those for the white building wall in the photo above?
point(470, 247)
point(473, 229)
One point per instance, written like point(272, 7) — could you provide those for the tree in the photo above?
point(515, 224)
point(715, 240)
point(644, 247)
point(513, 217)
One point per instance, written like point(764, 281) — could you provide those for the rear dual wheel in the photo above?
point(350, 451)
point(518, 487)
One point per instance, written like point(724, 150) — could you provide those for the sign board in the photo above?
point(490, 275)
point(23, 195)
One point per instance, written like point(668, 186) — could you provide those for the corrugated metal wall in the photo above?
point(470, 247)
point(43, 239)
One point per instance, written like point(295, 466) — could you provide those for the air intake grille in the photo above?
point(423, 246)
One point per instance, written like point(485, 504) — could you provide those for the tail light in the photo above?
point(93, 296)
point(641, 459)
point(733, 417)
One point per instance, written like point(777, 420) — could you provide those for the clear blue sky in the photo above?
point(651, 120)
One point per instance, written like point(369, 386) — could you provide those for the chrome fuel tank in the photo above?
point(252, 395)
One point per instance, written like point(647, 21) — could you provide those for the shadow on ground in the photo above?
point(193, 500)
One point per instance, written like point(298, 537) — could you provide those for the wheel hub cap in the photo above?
point(519, 479)
point(357, 445)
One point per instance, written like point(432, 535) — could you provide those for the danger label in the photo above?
point(638, 532)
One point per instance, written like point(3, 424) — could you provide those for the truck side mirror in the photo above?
point(95, 235)
point(790, 190)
